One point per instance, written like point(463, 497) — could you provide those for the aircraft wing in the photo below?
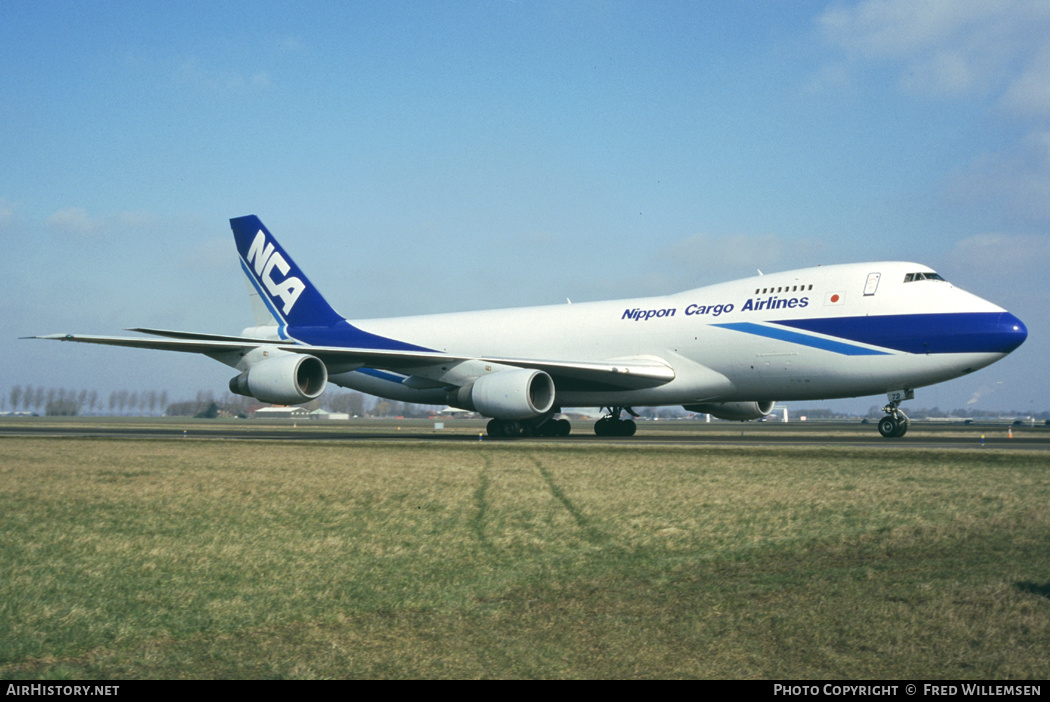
point(626, 373)
point(197, 343)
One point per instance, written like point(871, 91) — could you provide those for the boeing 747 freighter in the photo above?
point(731, 350)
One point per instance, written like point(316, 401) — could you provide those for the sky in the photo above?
point(419, 157)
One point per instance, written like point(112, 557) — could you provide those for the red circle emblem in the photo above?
point(834, 298)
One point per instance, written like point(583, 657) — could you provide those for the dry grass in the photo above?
point(204, 558)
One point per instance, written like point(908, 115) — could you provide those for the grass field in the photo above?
point(190, 558)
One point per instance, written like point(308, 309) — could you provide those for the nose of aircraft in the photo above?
point(1011, 333)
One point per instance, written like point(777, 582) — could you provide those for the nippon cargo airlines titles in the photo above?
point(694, 310)
point(884, 327)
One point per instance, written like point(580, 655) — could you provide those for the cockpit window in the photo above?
point(912, 277)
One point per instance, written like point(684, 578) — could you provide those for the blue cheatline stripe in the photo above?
point(382, 375)
point(945, 332)
point(802, 339)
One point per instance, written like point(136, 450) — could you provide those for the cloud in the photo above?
point(948, 48)
point(994, 50)
point(211, 255)
point(1028, 96)
point(1003, 256)
point(74, 220)
point(895, 29)
point(78, 222)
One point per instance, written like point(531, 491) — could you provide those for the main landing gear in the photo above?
point(895, 424)
point(612, 425)
point(510, 428)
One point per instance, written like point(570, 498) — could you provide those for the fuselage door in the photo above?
point(873, 283)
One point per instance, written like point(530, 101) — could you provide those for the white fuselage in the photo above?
point(725, 342)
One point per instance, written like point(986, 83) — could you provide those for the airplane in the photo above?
point(730, 350)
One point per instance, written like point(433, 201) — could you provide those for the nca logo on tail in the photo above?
point(264, 259)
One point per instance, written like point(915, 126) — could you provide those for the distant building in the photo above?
point(281, 412)
point(325, 414)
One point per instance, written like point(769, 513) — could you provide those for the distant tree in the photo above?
point(61, 404)
point(181, 409)
point(352, 403)
point(238, 405)
point(211, 412)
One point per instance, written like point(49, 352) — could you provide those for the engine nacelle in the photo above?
point(736, 411)
point(283, 380)
point(522, 393)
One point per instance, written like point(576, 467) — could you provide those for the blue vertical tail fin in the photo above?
point(280, 284)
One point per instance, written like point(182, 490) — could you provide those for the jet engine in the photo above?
point(735, 411)
point(521, 393)
point(283, 380)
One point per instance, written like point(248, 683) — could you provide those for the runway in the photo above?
point(667, 433)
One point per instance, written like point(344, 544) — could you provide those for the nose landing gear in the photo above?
point(895, 424)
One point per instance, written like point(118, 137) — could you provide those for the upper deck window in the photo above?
point(912, 277)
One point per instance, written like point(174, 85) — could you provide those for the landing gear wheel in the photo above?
point(888, 427)
point(614, 426)
point(506, 428)
point(512, 428)
point(894, 427)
